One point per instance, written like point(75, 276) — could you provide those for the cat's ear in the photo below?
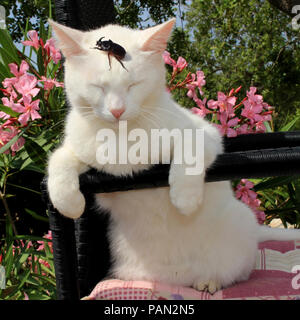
point(158, 36)
point(68, 39)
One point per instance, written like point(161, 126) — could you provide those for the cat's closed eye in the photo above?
point(134, 84)
point(98, 86)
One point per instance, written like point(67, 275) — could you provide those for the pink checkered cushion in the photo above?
point(272, 278)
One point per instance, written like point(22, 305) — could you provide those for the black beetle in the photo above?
point(113, 49)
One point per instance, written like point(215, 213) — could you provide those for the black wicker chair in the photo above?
point(81, 254)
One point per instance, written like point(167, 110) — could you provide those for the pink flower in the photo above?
point(249, 197)
point(200, 80)
point(197, 81)
point(244, 129)
point(29, 110)
point(18, 72)
point(224, 103)
point(8, 132)
point(50, 83)
point(260, 127)
point(254, 98)
point(225, 126)
point(181, 63)
point(253, 108)
point(252, 111)
point(201, 113)
point(42, 247)
point(168, 60)
point(191, 86)
point(52, 50)
point(11, 104)
point(8, 84)
point(4, 115)
point(42, 243)
point(26, 85)
point(212, 104)
point(201, 110)
point(34, 39)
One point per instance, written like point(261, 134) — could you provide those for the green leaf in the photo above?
point(8, 111)
point(22, 187)
point(4, 70)
point(19, 287)
point(274, 182)
point(36, 216)
point(282, 210)
point(36, 153)
point(7, 43)
point(23, 258)
point(35, 168)
point(8, 260)
point(40, 61)
point(30, 237)
point(32, 281)
point(290, 125)
point(25, 164)
point(268, 127)
point(7, 59)
point(47, 270)
point(10, 143)
point(42, 31)
point(46, 279)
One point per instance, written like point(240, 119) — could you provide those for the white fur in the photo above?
point(190, 233)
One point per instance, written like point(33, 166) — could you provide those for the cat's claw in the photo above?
point(210, 286)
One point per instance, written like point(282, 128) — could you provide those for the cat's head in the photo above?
point(115, 93)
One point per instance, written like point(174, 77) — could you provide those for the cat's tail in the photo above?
point(267, 233)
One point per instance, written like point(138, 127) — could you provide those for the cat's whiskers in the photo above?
point(154, 108)
point(59, 110)
point(88, 115)
point(85, 108)
point(154, 121)
point(154, 118)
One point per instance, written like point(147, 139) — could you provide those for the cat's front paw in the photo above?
point(68, 201)
point(186, 200)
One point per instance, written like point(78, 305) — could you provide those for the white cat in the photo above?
point(189, 234)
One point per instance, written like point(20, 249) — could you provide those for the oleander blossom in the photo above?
point(34, 40)
point(197, 81)
point(229, 116)
point(26, 85)
point(21, 90)
point(249, 197)
point(50, 83)
point(7, 133)
point(18, 71)
point(226, 126)
point(52, 51)
point(29, 110)
point(42, 247)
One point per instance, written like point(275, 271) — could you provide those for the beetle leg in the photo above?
point(109, 60)
point(121, 63)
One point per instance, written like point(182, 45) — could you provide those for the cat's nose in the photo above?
point(117, 112)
